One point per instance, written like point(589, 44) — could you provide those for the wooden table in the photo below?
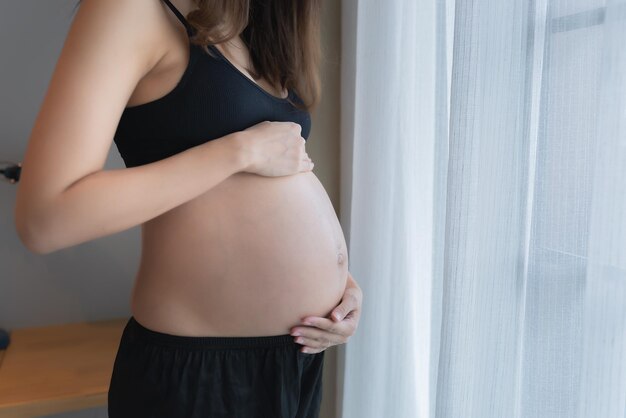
point(53, 369)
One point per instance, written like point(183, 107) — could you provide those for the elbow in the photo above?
point(32, 234)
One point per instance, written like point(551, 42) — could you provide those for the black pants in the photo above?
point(158, 375)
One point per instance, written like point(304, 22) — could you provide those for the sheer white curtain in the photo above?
point(484, 205)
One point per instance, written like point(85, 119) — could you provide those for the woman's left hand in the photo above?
point(318, 333)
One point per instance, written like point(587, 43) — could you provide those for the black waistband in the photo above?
point(137, 330)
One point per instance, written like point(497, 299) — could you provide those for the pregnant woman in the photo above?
point(208, 103)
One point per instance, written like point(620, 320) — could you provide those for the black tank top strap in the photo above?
point(212, 98)
point(179, 15)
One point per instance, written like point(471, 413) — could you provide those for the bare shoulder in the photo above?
point(141, 24)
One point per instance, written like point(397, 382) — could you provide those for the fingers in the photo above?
point(315, 345)
point(303, 152)
point(351, 301)
point(315, 340)
point(319, 333)
point(326, 328)
point(296, 127)
point(311, 350)
point(323, 332)
point(322, 323)
point(345, 327)
point(320, 337)
point(306, 164)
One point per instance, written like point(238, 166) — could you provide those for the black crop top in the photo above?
point(213, 98)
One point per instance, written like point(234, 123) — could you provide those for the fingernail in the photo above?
point(296, 333)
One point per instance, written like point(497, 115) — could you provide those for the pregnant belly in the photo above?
point(251, 256)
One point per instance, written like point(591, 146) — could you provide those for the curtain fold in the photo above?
point(603, 374)
point(484, 218)
point(484, 203)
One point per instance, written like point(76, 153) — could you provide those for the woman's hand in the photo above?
point(324, 332)
point(274, 149)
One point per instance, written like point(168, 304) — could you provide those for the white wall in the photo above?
point(93, 280)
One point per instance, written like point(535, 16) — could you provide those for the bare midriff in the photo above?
point(249, 257)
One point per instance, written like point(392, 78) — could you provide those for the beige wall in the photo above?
point(323, 145)
point(323, 148)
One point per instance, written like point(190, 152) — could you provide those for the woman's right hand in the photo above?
point(275, 149)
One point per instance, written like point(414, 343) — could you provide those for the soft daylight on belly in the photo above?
point(260, 253)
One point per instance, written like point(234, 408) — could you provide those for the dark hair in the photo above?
point(283, 37)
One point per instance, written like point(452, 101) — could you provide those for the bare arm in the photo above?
point(64, 196)
point(106, 202)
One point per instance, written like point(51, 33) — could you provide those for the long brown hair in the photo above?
point(283, 37)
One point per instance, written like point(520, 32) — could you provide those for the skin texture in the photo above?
point(319, 333)
point(72, 136)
